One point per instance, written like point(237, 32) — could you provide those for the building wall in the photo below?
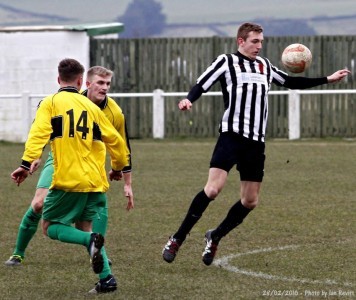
point(29, 63)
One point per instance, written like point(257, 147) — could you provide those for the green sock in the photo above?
point(27, 230)
point(106, 270)
point(72, 235)
point(99, 226)
point(68, 234)
point(100, 223)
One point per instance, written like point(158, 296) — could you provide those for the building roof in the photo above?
point(91, 29)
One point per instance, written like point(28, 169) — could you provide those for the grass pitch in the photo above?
point(298, 243)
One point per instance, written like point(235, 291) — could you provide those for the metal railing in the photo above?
point(158, 98)
point(293, 106)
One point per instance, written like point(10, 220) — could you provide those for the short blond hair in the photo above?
point(100, 71)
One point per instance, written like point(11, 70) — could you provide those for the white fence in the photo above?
point(16, 116)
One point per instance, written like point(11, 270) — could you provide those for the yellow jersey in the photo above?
point(78, 132)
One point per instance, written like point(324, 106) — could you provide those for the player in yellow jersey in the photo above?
point(78, 132)
point(98, 83)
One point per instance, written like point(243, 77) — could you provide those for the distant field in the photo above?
point(300, 240)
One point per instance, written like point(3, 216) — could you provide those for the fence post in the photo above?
point(26, 115)
point(293, 115)
point(158, 114)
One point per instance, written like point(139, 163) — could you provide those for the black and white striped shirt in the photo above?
point(245, 84)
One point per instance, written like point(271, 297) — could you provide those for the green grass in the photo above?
point(300, 238)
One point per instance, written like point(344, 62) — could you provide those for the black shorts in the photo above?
point(234, 149)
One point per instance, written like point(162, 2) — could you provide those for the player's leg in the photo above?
point(237, 213)
point(27, 228)
point(220, 164)
point(100, 222)
point(32, 217)
point(61, 209)
point(214, 185)
point(251, 166)
point(98, 202)
point(94, 242)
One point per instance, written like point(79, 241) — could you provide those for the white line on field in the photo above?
point(224, 263)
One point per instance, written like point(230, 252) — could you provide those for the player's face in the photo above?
point(252, 46)
point(98, 87)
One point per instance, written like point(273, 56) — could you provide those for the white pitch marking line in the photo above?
point(224, 263)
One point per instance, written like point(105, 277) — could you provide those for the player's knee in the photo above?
point(37, 205)
point(211, 191)
point(45, 226)
point(37, 201)
point(250, 202)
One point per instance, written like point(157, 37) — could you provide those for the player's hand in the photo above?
point(338, 76)
point(19, 175)
point(185, 104)
point(35, 165)
point(129, 195)
point(115, 175)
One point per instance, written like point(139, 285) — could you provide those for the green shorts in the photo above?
point(46, 175)
point(69, 207)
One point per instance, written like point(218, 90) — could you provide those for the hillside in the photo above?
point(323, 16)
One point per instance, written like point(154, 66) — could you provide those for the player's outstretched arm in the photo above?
point(338, 76)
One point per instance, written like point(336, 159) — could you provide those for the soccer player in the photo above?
point(98, 83)
point(78, 132)
point(245, 80)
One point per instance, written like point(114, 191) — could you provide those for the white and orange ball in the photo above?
point(296, 58)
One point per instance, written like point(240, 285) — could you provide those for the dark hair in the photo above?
point(69, 69)
point(246, 28)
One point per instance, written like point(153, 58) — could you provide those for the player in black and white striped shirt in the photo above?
point(245, 80)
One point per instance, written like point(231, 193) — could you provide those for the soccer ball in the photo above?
point(296, 58)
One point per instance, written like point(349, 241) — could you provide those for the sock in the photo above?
point(235, 217)
point(100, 223)
point(99, 226)
point(106, 270)
point(27, 230)
point(196, 209)
point(68, 234)
point(72, 235)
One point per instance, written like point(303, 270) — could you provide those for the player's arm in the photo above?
point(302, 83)
point(38, 137)
point(115, 144)
point(122, 129)
point(39, 134)
point(127, 170)
point(338, 75)
point(299, 82)
point(205, 81)
point(194, 94)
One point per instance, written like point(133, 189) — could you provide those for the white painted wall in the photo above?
point(29, 61)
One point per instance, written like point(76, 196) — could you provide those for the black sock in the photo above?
point(235, 217)
point(196, 209)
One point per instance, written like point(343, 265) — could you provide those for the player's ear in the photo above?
point(239, 41)
point(80, 81)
